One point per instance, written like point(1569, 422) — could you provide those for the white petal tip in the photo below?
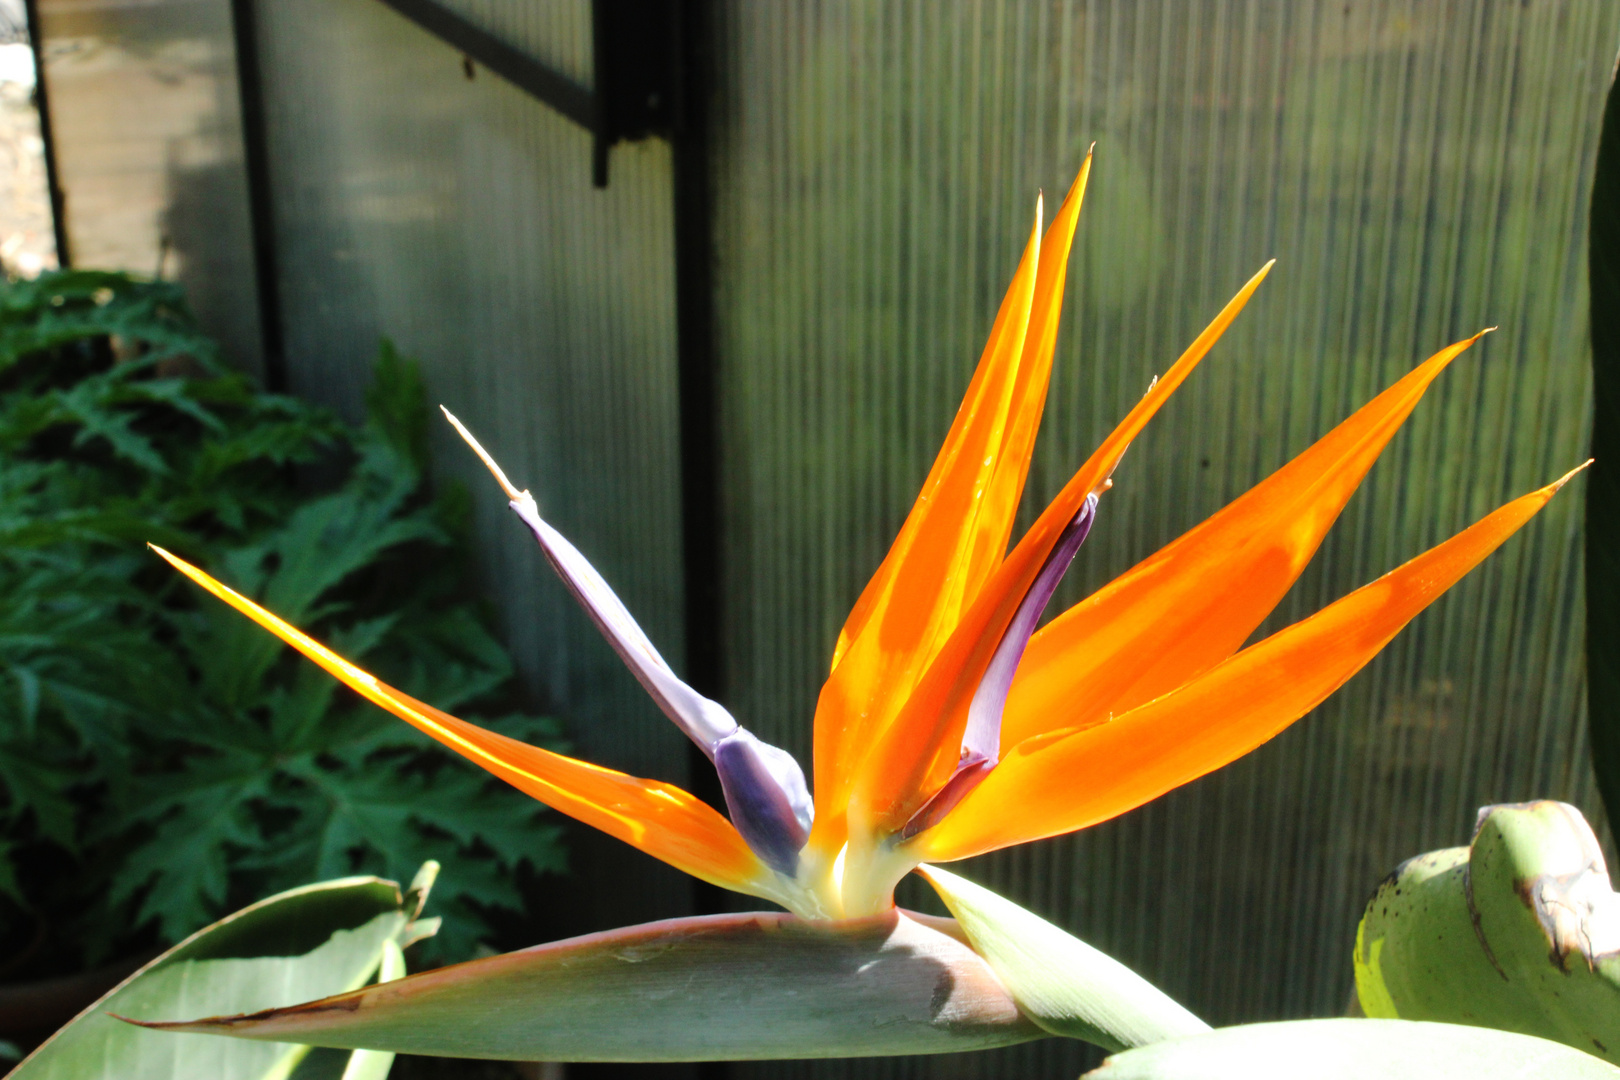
point(483, 455)
point(1562, 480)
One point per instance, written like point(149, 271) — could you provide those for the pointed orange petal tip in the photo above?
point(657, 818)
point(1072, 778)
point(483, 455)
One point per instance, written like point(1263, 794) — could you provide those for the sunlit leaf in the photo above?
point(1060, 982)
point(1519, 931)
point(309, 941)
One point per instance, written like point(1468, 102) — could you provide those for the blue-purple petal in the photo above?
point(767, 798)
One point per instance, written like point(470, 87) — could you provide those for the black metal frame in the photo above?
point(42, 102)
point(653, 78)
point(698, 390)
point(637, 53)
point(261, 211)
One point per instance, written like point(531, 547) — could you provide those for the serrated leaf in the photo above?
point(1354, 1050)
point(172, 735)
point(1060, 982)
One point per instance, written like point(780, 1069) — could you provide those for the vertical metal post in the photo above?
point(698, 385)
point(64, 253)
point(261, 211)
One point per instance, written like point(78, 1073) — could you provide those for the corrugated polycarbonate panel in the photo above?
point(1420, 170)
point(147, 129)
point(457, 217)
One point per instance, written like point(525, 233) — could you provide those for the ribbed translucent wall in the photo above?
point(1420, 171)
point(457, 217)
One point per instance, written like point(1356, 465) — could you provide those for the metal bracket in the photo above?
point(637, 55)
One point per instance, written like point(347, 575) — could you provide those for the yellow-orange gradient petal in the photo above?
point(659, 819)
point(885, 643)
point(1067, 780)
point(917, 753)
point(999, 505)
point(1192, 604)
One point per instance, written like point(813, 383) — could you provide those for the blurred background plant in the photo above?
point(162, 761)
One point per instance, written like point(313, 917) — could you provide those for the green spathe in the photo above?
point(1519, 931)
point(1060, 982)
point(305, 942)
point(1357, 1049)
point(727, 987)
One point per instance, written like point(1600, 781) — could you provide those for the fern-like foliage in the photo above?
point(162, 760)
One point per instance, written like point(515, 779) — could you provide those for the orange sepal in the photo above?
point(657, 818)
point(998, 507)
point(917, 753)
point(1193, 603)
point(885, 644)
point(1066, 780)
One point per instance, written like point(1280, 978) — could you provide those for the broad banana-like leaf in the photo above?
point(1520, 931)
point(309, 941)
point(723, 987)
point(1060, 982)
point(1354, 1050)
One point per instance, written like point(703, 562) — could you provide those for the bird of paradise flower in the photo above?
point(949, 725)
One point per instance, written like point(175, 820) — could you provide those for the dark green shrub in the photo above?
point(162, 760)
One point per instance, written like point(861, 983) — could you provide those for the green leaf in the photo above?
point(715, 987)
point(1060, 982)
point(183, 866)
point(1354, 1050)
point(313, 940)
point(178, 755)
point(396, 404)
point(1520, 931)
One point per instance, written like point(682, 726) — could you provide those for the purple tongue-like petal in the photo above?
point(767, 797)
point(765, 791)
point(981, 738)
point(705, 721)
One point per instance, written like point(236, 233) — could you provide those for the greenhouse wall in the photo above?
point(420, 198)
point(1419, 170)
